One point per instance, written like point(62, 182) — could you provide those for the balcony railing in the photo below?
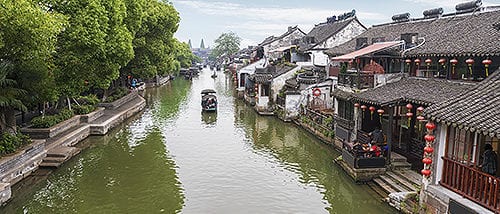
point(356, 80)
point(345, 123)
point(471, 183)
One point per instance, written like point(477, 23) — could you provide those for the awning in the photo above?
point(367, 50)
point(281, 49)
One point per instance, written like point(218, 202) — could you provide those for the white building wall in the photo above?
point(284, 42)
point(292, 106)
point(278, 82)
point(440, 146)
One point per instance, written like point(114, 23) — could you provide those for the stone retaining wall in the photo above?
point(17, 166)
point(119, 102)
point(43, 133)
point(88, 118)
point(104, 127)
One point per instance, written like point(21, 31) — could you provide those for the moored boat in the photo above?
point(208, 100)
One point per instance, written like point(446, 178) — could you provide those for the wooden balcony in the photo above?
point(471, 183)
point(356, 80)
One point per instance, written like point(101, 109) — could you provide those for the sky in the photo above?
point(254, 20)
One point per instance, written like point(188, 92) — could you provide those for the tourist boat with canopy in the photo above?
point(208, 100)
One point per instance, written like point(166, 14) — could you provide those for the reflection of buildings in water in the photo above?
point(209, 118)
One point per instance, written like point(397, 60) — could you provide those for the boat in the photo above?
point(214, 75)
point(208, 100)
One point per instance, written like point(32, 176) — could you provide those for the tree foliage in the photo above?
point(225, 45)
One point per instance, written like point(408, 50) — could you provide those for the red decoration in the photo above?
point(409, 114)
point(469, 61)
point(417, 61)
point(420, 109)
point(409, 106)
point(428, 61)
point(430, 126)
point(372, 109)
point(356, 105)
point(420, 118)
point(427, 160)
point(316, 92)
point(442, 61)
point(426, 172)
point(380, 111)
point(428, 150)
point(429, 138)
point(408, 61)
point(363, 107)
point(486, 63)
point(454, 61)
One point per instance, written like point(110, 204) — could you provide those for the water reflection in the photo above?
point(209, 118)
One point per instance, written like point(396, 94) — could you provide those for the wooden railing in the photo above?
point(471, 183)
point(345, 123)
point(356, 80)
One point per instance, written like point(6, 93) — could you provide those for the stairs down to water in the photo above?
point(57, 156)
point(395, 185)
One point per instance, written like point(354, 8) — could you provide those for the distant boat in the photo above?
point(214, 75)
point(208, 100)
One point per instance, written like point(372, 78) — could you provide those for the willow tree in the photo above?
point(27, 41)
point(94, 46)
point(153, 42)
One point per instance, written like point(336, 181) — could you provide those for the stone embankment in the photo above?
point(53, 146)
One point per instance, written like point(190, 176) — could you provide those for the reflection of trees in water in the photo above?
point(302, 153)
point(166, 100)
point(109, 178)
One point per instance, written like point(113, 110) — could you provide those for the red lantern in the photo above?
point(453, 63)
point(417, 61)
point(428, 61)
point(430, 126)
point(469, 61)
point(486, 64)
point(427, 161)
point(409, 114)
point(442, 61)
point(429, 138)
point(420, 109)
point(408, 61)
point(420, 118)
point(372, 109)
point(409, 106)
point(363, 107)
point(428, 150)
point(426, 172)
point(380, 111)
point(356, 105)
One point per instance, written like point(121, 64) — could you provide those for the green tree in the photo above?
point(153, 44)
point(27, 41)
point(9, 99)
point(94, 46)
point(184, 54)
point(226, 45)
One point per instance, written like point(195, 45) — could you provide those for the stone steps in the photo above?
point(398, 185)
point(58, 155)
point(404, 182)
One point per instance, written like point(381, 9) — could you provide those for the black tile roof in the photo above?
point(263, 75)
point(450, 35)
point(477, 109)
point(271, 39)
point(420, 91)
point(321, 32)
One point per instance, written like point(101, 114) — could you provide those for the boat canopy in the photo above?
point(208, 91)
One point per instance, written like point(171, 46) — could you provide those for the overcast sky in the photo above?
point(254, 20)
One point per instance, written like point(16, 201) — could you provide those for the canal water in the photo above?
point(172, 158)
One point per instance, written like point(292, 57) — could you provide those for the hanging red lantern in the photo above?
point(356, 105)
point(417, 61)
point(428, 150)
point(372, 109)
point(428, 61)
point(430, 126)
point(486, 63)
point(442, 61)
point(420, 109)
point(256, 88)
point(420, 118)
point(426, 172)
point(427, 161)
point(409, 106)
point(363, 107)
point(429, 138)
point(409, 115)
point(470, 62)
point(380, 113)
point(408, 61)
point(453, 62)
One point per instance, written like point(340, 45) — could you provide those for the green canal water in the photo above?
point(174, 159)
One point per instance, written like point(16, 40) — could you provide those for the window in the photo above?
point(460, 145)
point(264, 91)
point(346, 109)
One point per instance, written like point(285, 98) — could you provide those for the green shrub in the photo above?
point(10, 143)
point(83, 109)
point(90, 99)
point(51, 120)
point(117, 94)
